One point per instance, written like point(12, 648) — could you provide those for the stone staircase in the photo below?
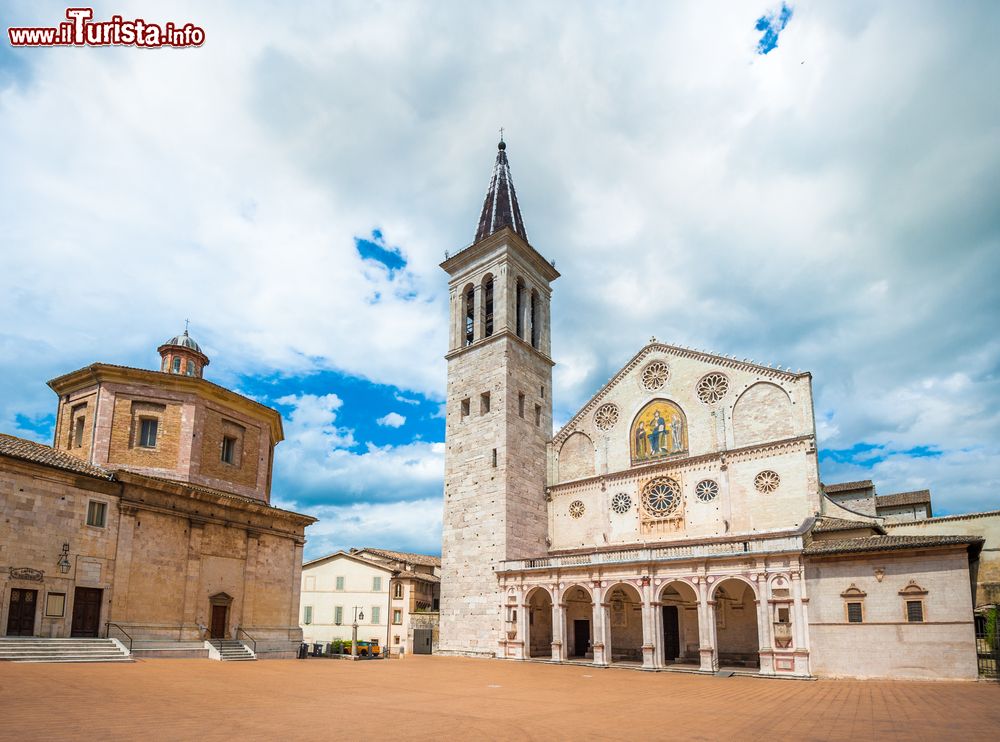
point(34, 649)
point(230, 650)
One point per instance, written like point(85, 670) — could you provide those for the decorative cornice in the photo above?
point(678, 352)
point(500, 333)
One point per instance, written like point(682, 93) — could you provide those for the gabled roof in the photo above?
point(424, 560)
point(887, 543)
point(917, 497)
point(347, 555)
point(848, 486)
point(679, 352)
point(500, 208)
point(39, 453)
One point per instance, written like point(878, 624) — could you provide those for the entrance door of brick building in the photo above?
point(21, 617)
point(86, 612)
point(581, 637)
point(671, 634)
point(219, 621)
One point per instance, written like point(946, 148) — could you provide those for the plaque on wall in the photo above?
point(27, 573)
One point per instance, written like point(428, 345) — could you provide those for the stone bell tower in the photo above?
point(499, 416)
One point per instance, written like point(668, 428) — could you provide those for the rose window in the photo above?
point(621, 503)
point(606, 416)
point(661, 496)
point(706, 490)
point(577, 509)
point(767, 482)
point(712, 388)
point(654, 376)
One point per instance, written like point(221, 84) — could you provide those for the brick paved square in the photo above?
point(460, 698)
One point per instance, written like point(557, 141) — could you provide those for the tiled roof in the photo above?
point(848, 486)
point(424, 560)
point(39, 453)
point(885, 543)
point(419, 576)
point(827, 525)
point(917, 497)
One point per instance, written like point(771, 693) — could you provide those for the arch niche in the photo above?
point(539, 623)
point(625, 618)
point(737, 640)
point(576, 457)
point(762, 413)
point(579, 616)
point(679, 613)
point(658, 431)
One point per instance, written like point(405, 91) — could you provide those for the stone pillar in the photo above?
point(192, 616)
point(249, 579)
point(479, 314)
point(294, 630)
point(501, 315)
point(558, 629)
point(707, 639)
point(657, 611)
point(800, 625)
point(123, 563)
point(649, 642)
point(601, 640)
point(765, 652)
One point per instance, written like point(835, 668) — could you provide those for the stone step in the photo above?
point(35, 649)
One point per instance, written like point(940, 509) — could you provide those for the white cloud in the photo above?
point(392, 420)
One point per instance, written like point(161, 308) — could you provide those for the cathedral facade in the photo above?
point(677, 521)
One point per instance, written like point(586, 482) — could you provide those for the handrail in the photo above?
point(253, 641)
point(107, 627)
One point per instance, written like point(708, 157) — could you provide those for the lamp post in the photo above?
point(354, 630)
point(64, 564)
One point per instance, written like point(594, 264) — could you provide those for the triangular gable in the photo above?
point(720, 361)
point(345, 555)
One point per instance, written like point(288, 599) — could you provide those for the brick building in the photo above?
point(149, 516)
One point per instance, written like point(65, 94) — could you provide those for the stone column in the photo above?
point(191, 616)
point(501, 315)
point(294, 630)
point(765, 652)
point(558, 629)
point(601, 640)
point(800, 625)
point(706, 629)
point(249, 579)
point(649, 642)
point(658, 659)
point(479, 314)
point(123, 563)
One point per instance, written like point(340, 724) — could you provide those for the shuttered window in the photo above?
point(854, 614)
point(915, 611)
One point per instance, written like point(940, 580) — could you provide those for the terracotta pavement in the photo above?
point(459, 698)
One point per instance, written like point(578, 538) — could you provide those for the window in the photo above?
point(494, 458)
point(541, 391)
point(466, 407)
point(915, 611)
point(397, 616)
point(484, 403)
point(913, 602)
point(55, 605)
point(488, 306)
point(397, 590)
point(310, 582)
point(535, 326)
point(376, 614)
point(854, 613)
point(520, 308)
point(338, 615)
point(470, 314)
point(177, 365)
point(190, 368)
point(165, 366)
point(307, 615)
point(538, 414)
point(228, 449)
point(520, 404)
point(78, 432)
point(377, 584)
point(147, 432)
point(339, 582)
point(395, 639)
point(97, 513)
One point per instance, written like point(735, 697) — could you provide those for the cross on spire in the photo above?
point(186, 323)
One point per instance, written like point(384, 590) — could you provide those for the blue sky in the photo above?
point(810, 184)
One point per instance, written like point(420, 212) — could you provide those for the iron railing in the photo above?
point(253, 642)
point(988, 644)
point(108, 626)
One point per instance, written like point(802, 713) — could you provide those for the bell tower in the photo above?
point(499, 416)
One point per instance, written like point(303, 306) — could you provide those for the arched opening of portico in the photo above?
point(539, 623)
point(625, 617)
point(737, 640)
point(579, 617)
point(679, 612)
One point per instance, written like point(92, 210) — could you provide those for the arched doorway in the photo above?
point(579, 615)
point(625, 617)
point(737, 641)
point(539, 623)
point(679, 614)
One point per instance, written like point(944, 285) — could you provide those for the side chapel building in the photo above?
point(677, 519)
point(149, 518)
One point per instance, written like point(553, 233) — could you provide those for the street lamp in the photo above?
point(359, 615)
point(64, 565)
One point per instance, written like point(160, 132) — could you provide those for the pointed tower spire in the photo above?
point(500, 208)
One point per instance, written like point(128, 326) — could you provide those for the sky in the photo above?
point(811, 184)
